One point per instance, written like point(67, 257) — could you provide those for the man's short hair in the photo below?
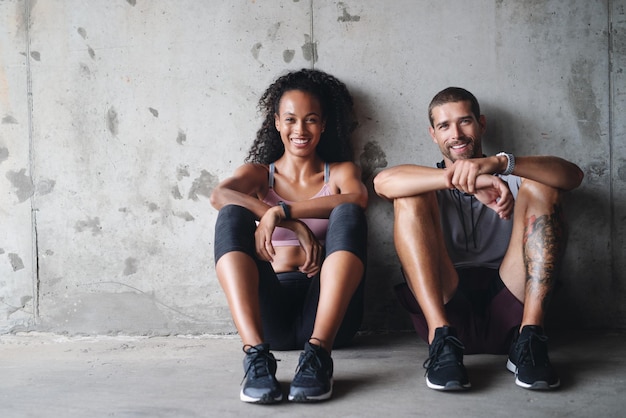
point(452, 95)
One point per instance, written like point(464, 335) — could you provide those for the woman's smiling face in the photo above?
point(300, 122)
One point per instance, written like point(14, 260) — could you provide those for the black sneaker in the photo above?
point(444, 366)
point(528, 359)
point(314, 376)
point(260, 384)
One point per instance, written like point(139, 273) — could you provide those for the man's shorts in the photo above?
point(484, 312)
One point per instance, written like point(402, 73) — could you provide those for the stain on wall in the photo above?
point(345, 16)
point(309, 49)
point(112, 121)
point(181, 138)
point(4, 154)
point(256, 48)
point(130, 266)
point(371, 158)
point(45, 186)
point(91, 224)
point(16, 261)
point(22, 183)
point(583, 100)
point(154, 112)
point(203, 185)
point(186, 216)
point(8, 119)
point(288, 55)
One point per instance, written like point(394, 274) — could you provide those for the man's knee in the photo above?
point(533, 192)
point(415, 205)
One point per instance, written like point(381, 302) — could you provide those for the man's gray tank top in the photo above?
point(474, 234)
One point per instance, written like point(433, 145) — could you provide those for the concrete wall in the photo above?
point(119, 117)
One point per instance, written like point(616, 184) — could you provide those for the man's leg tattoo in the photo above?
point(543, 247)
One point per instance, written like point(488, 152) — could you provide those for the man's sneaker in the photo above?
point(528, 359)
point(260, 384)
point(314, 376)
point(444, 366)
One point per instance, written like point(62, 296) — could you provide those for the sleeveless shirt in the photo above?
point(285, 237)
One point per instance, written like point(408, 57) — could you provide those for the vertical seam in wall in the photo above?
point(313, 47)
point(31, 169)
point(613, 235)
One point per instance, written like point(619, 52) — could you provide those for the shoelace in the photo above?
point(528, 351)
point(260, 362)
point(309, 364)
point(434, 359)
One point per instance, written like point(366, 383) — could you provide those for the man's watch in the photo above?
point(510, 165)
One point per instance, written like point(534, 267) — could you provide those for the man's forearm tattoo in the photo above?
point(543, 247)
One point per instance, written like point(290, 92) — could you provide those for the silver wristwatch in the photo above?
point(510, 165)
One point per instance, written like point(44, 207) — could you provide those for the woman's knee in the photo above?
point(234, 231)
point(347, 230)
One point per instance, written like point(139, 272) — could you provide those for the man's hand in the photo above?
point(494, 193)
point(464, 173)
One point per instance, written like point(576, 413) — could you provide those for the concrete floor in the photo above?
point(43, 375)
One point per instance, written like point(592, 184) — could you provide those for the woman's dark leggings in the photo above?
point(289, 300)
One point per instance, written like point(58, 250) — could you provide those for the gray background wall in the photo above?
point(117, 118)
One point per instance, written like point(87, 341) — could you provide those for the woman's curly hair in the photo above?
point(336, 102)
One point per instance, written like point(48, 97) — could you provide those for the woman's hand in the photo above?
point(263, 234)
point(312, 249)
point(494, 193)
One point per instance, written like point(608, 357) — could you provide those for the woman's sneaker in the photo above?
point(444, 366)
point(314, 376)
point(528, 359)
point(260, 384)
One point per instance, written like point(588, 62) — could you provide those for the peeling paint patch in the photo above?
point(8, 119)
point(309, 49)
point(154, 112)
point(16, 262)
point(203, 185)
point(176, 193)
point(92, 224)
point(112, 121)
point(371, 158)
point(288, 55)
point(35, 55)
point(22, 183)
point(188, 217)
point(346, 17)
point(181, 138)
point(4, 154)
point(131, 265)
point(82, 32)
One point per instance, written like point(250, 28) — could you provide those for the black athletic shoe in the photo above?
point(314, 376)
point(528, 359)
point(260, 384)
point(444, 366)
